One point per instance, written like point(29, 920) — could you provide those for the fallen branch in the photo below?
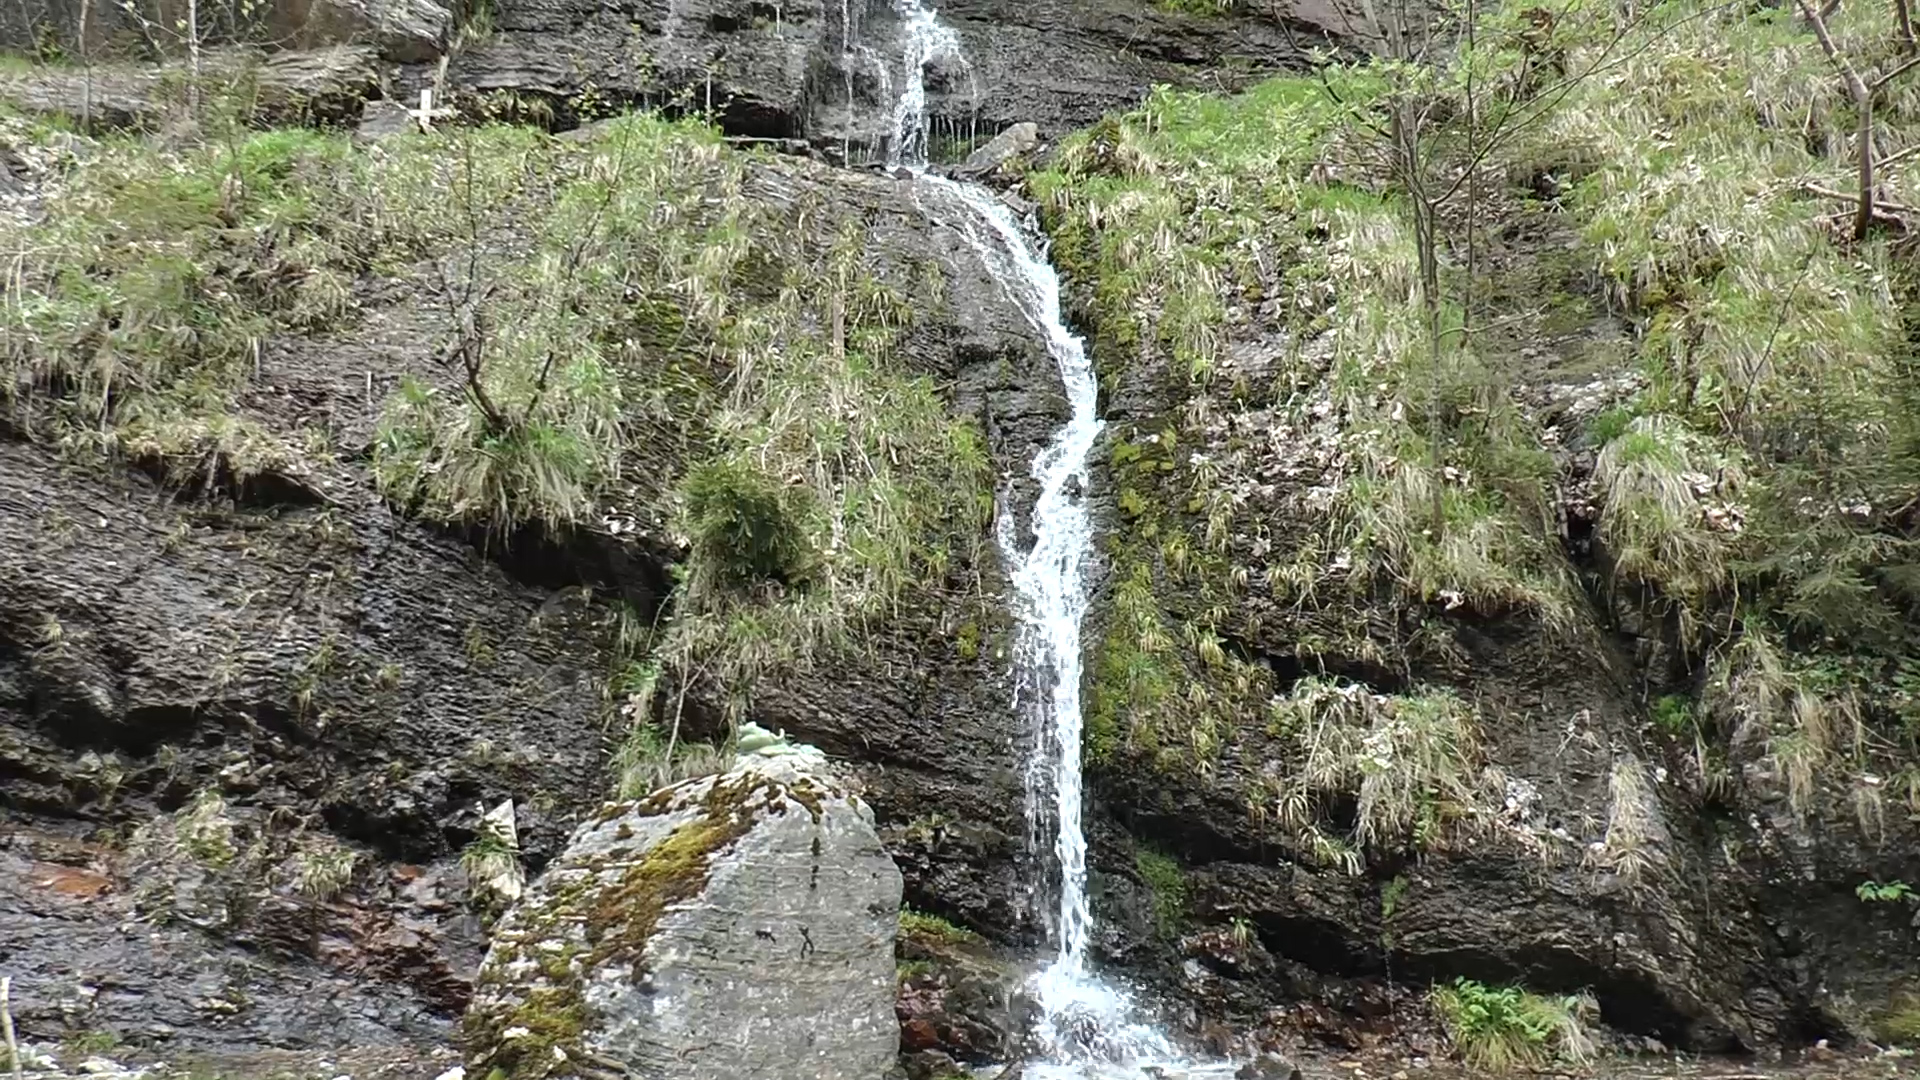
point(1881, 206)
point(1899, 156)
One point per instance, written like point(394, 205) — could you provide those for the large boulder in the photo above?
point(735, 927)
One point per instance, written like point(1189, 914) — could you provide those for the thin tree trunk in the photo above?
point(1863, 101)
point(193, 57)
point(86, 65)
point(1905, 14)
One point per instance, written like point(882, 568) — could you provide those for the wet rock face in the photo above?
point(739, 926)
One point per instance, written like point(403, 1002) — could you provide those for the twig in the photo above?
point(1899, 156)
point(1889, 208)
point(1905, 66)
point(6, 1024)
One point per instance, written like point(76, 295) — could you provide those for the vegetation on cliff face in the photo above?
point(626, 342)
point(1675, 338)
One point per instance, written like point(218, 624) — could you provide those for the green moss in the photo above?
point(623, 916)
point(1163, 875)
point(552, 1017)
point(929, 929)
point(966, 640)
point(617, 918)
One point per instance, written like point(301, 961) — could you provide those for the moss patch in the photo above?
point(617, 906)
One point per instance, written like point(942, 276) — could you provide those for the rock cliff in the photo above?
point(1392, 681)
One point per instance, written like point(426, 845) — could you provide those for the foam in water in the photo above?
point(1088, 1025)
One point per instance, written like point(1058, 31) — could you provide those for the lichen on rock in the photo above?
point(734, 926)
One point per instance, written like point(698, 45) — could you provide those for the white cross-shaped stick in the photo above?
point(426, 114)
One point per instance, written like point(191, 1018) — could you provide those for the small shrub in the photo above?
point(322, 868)
point(745, 526)
point(1674, 715)
point(1501, 1028)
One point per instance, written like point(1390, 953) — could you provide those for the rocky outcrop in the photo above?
point(313, 86)
point(830, 73)
point(736, 927)
point(355, 685)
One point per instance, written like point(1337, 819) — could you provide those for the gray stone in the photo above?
point(1021, 138)
point(1267, 1067)
point(737, 927)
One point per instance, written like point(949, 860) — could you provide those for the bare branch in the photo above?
point(1879, 205)
point(1905, 66)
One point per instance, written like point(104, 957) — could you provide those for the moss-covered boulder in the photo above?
point(738, 926)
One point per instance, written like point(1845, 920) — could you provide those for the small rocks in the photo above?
point(1268, 1066)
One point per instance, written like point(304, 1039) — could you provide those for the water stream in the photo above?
point(1088, 1026)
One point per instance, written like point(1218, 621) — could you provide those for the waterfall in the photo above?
point(1087, 1025)
point(925, 39)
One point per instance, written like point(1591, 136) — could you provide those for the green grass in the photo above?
point(623, 328)
point(143, 297)
point(1409, 762)
point(1169, 214)
point(1506, 1028)
point(1751, 490)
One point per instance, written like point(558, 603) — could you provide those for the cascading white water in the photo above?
point(924, 38)
point(1087, 1025)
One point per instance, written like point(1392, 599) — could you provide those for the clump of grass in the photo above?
point(1899, 1023)
point(143, 296)
point(1652, 480)
point(1410, 761)
point(322, 867)
point(648, 759)
point(1505, 1028)
point(1631, 847)
point(747, 528)
point(206, 831)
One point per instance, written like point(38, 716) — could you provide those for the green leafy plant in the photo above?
point(1883, 892)
point(1674, 714)
point(1505, 1027)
